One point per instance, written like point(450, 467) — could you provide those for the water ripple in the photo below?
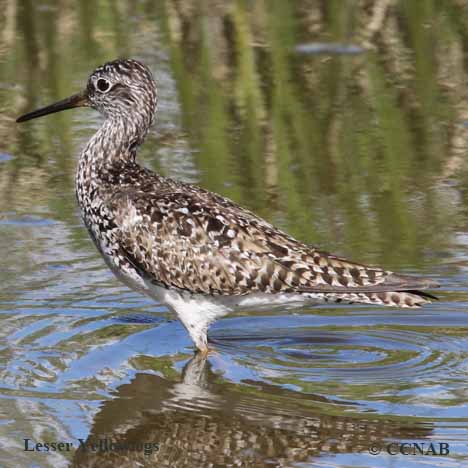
point(354, 363)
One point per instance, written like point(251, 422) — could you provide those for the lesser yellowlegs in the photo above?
point(193, 250)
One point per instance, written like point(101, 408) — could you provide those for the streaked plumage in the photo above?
point(201, 254)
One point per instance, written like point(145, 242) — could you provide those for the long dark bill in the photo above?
point(77, 100)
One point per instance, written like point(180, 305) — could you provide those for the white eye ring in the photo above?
point(102, 85)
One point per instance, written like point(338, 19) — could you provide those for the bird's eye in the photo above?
point(102, 85)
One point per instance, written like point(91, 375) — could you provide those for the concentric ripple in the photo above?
point(386, 367)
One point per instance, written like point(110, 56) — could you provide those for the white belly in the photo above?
point(219, 306)
point(198, 311)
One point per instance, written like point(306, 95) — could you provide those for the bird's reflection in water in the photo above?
point(204, 420)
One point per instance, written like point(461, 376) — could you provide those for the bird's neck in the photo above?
point(106, 157)
point(115, 143)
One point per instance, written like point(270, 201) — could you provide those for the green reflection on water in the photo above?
point(363, 155)
point(344, 151)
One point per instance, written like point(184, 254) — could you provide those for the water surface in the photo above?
point(344, 126)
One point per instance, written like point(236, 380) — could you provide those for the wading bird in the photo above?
point(195, 251)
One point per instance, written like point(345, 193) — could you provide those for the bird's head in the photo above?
point(122, 89)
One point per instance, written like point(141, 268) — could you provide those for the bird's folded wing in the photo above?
point(212, 246)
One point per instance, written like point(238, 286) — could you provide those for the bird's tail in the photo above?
point(407, 299)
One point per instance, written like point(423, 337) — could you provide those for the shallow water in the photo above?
point(348, 133)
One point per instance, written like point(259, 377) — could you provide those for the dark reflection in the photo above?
point(204, 420)
point(86, 10)
point(27, 26)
